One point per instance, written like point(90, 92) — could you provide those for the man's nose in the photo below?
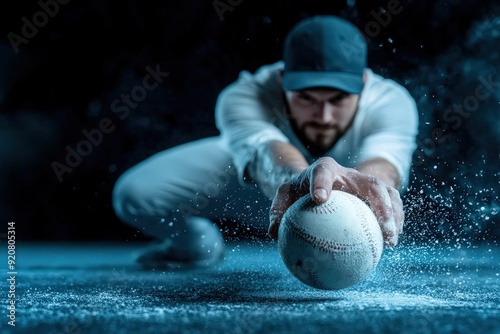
point(324, 113)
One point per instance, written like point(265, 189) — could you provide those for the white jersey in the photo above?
point(252, 111)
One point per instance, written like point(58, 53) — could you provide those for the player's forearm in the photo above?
point(381, 169)
point(275, 163)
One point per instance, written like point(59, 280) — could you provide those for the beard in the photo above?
point(319, 138)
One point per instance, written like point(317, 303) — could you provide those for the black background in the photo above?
point(65, 78)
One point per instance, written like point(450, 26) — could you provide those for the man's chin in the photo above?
point(318, 142)
point(322, 140)
point(318, 147)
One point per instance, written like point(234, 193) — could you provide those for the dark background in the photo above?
point(65, 78)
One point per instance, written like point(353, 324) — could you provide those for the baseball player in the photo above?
point(317, 120)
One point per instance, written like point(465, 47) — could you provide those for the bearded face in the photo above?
point(321, 116)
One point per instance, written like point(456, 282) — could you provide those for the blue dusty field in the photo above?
point(96, 288)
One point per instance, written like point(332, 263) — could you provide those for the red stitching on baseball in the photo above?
point(368, 236)
point(326, 246)
point(315, 279)
point(318, 209)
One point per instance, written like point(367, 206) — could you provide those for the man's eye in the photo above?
point(340, 98)
point(304, 97)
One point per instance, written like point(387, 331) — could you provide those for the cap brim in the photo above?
point(347, 82)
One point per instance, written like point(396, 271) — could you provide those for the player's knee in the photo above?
point(126, 194)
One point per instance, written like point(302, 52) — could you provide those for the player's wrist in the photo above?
point(278, 176)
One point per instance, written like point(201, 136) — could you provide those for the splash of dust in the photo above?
point(453, 198)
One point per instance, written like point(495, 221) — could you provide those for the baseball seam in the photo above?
point(370, 241)
point(323, 245)
point(369, 236)
point(315, 279)
point(324, 208)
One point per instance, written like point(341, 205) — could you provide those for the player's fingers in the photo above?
point(380, 201)
point(397, 207)
point(285, 197)
point(321, 180)
point(389, 231)
point(393, 225)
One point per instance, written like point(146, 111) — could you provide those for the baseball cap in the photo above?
point(326, 52)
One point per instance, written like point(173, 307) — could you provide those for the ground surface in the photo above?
point(95, 288)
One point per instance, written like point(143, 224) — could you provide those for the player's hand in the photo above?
point(326, 175)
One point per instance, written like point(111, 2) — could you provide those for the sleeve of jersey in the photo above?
point(244, 116)
point(392, 130)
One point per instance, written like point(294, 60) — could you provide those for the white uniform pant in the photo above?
point(194, 179)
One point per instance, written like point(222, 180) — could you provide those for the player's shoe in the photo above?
point(203, 247)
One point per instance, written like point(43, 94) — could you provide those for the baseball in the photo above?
point(333, 245)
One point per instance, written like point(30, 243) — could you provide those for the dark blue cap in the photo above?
point(324, 52)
